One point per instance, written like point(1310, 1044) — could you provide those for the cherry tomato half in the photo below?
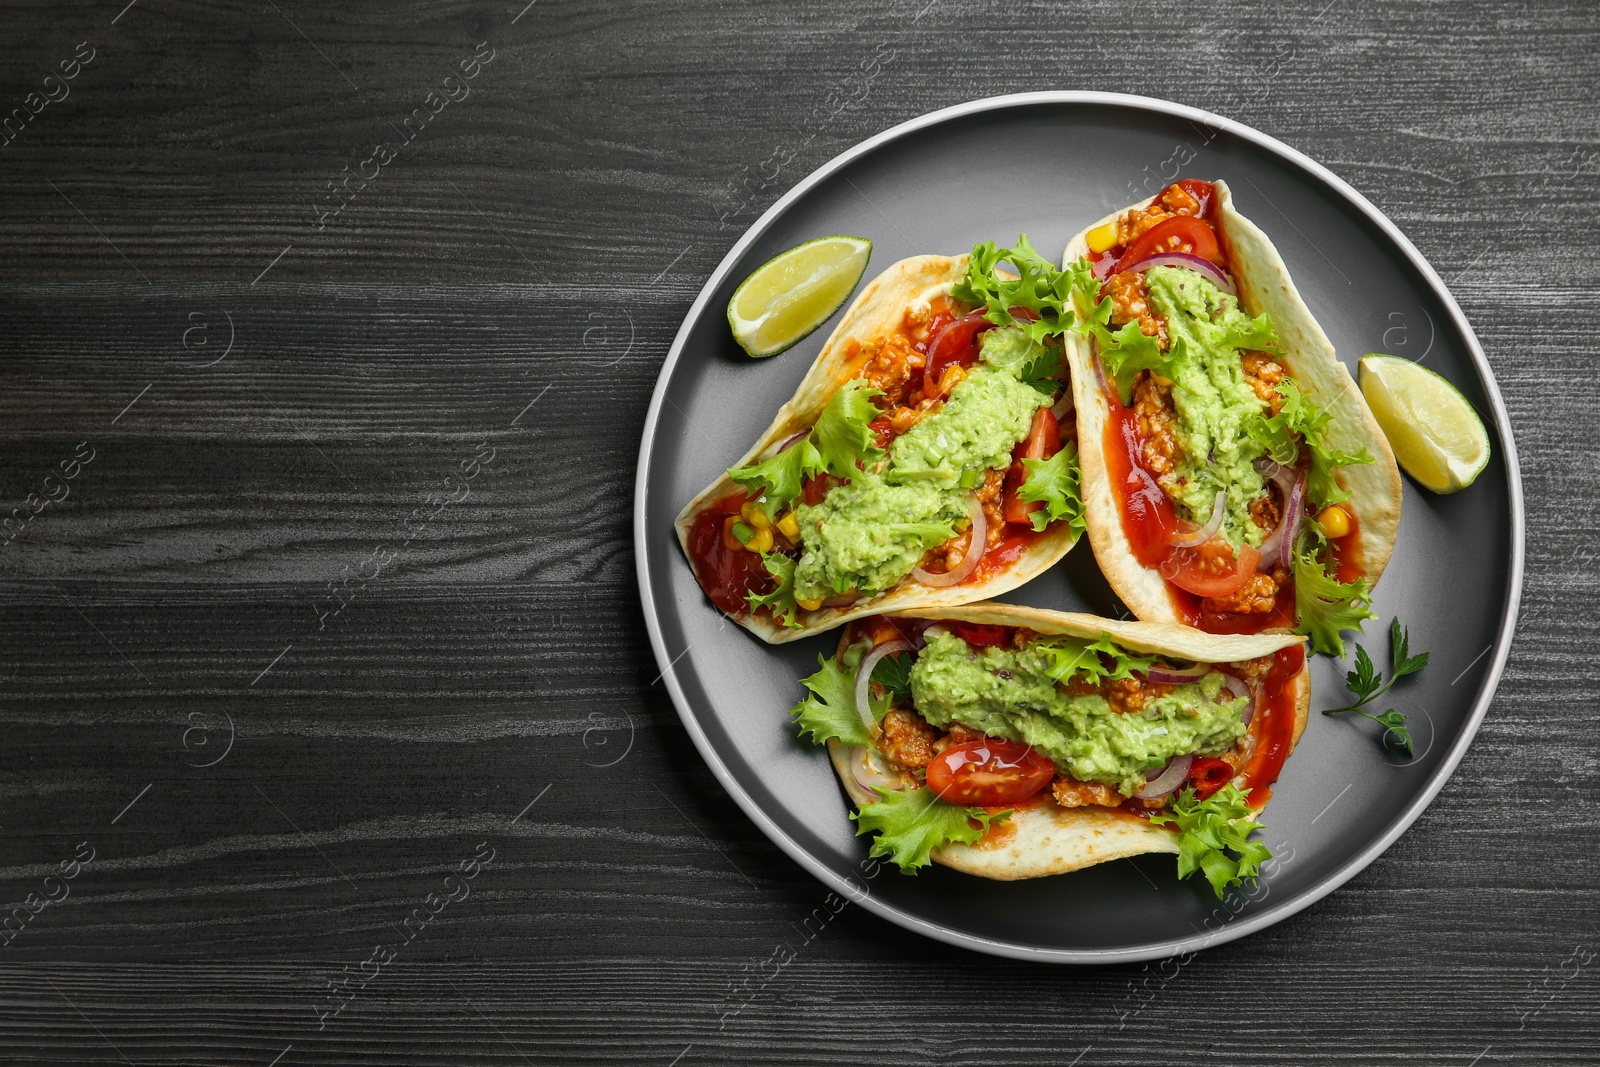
point(1042, 442)
point(954, 343)
point(1212, 569)
point(977, 634)
point(1181, 233)
point(989, 773)
point(1208, 775)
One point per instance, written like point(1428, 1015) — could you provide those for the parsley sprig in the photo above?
point(1367, 684)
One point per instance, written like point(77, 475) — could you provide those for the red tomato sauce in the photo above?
point(725, 574)
point(1273, 725)
point(1011, 547)
point(1148, 520)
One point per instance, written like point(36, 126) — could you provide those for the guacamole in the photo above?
point(1215, 406)
point(871, 532)
point(1009, 693)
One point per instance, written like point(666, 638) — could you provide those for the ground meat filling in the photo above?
point(949, 555)
point(1130, 695)
point(1152, 404)
point(907, 738)
point(1130, 302)
point(1071, 793)
point(1263, 376)
point(1258, 596)
point(892, 368)
point(1265, 510)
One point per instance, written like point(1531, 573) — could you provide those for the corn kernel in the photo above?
point(760, 541)
point(1102, 238)
point(753, 514)
point(728, 538)
point(1335, 521)
point(789, 526)
point(808, 604)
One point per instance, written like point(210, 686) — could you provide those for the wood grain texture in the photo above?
point(313, 777)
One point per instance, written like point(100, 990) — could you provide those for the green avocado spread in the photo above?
point(1214, 404)
point(871, 532)
point(1010, 693)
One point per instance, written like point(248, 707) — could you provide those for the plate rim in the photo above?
point(1232, 931)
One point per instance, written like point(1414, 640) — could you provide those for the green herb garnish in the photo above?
point(1367, 685)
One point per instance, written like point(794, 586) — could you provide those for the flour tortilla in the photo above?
point(1305, 352)
point(876, 312)
point(1041, 837)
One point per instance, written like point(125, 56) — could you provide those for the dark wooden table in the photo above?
point(330, 730)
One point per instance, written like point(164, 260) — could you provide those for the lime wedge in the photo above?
point(1436, 436)
point(792, 294)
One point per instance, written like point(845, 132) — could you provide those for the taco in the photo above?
point(1234, 478)
point(937, 416)
point(1012, 742)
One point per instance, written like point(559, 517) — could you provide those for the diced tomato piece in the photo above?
point(816, 487)
point(978, 635)
point(1042, 442)
point(955, 343)
point(989, 773)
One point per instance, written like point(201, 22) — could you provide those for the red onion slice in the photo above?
point(976, 545)
point(1219, 507)
point(1063, 406)
point(1283, 477)
point(870, 770)
point(864, 677)
point(1171, 676)
point(1293, 515)
point(1237, 687)
point(1168, 781)
point(1100, 371)
point(1198, 264)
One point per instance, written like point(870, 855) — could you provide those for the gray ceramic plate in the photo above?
point(1050, 163)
